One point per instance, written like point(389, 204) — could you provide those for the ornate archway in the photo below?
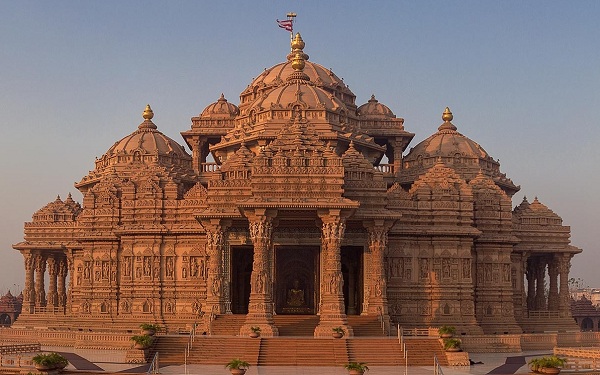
point(297, 279)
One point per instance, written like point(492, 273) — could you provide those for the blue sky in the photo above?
point(522, 79)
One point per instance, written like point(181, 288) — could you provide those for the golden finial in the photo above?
point(447, 116)
point(297, 43)
point(298, 59)
point(148, 114)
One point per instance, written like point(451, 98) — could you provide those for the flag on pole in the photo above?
point(288, 25)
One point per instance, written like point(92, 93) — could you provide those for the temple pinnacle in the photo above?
point(148, 114)
point(447, 115)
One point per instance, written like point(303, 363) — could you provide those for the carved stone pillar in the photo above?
point(378, 302)
point(553, 301)
point(540, 273)
point(40, 270)
point(29, 291)
point(215, 242)
point(332, 282)
point(260, 308)
point(564, 266)
point(52, 287)
point(71, 271)
point(531, 274)
point(62, 282)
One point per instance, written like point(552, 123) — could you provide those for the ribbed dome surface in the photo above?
point(301, 93)
point(221, 109)
point(447, 143)
point(145, 146)
point(318, 75)
point(375, 110)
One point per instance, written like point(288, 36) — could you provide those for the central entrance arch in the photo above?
point(296, 279)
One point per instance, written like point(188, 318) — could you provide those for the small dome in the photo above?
point(58, 211)
point(144, 145)
point(447, 142)
point(456, 151)
point(535, 213)
point(221, 109)
point(375, 110)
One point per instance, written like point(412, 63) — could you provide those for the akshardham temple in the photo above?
point(297, 201)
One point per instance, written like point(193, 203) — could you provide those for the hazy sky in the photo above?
point(521, 77)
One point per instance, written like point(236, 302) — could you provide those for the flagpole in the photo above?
point(291, 16)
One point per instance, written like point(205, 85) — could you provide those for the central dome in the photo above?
point(278, 75)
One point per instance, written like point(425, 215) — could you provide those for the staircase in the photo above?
point(365, 325)
point(220, 350)
point(296, 325)
point(421, 351)
point(377, 352)
point(227, 325)
point(170, 349)
point(302, 352)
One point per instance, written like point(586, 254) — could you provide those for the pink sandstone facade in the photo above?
point(297, 201)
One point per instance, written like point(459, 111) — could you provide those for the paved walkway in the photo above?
point(113, 362)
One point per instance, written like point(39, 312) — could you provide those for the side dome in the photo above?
point(317, 74)
point(58, 211)
point(456, 151)
point(375, 110)
point(145, 147)
point(221, 109)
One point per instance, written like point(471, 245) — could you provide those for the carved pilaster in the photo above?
point(531, 274)
point(29, 290)
point(540, 273)
point(52, 287)
point(378, 238)
point(564, 266)
point(553, 300)
point(332, 282)
point(260, 308)
point(40, 270)
point(215, 241)
point(62, 278)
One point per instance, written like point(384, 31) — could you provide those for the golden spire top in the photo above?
point(447, 117)
point(298, 59)
point(298, 43)
point(148, 114)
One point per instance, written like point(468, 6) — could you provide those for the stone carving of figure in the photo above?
point(170, 267)
point(127, 270)
point(216, 287)
point(378, 289)
point(86, 272)
point(138, 272)
point(336, 280)
point(295, 295)
point(260, 283)
point(194, 267)
point(184, 273)
point(105, 270)
point(147, 268)
point(423, 269)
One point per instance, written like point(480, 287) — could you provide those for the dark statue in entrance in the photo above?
point(296, 295)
